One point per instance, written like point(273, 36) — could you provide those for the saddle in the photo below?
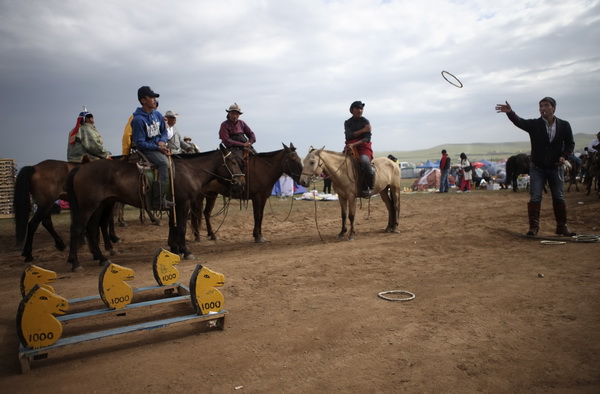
point(363, 188)
point(148, 176)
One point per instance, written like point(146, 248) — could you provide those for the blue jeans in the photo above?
point(161, 161)
point(539, 177)
point(365, 163)
point(444, 181)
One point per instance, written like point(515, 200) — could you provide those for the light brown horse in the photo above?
point(340, 168)
point(95, 185)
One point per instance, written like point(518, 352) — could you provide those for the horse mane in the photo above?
point(194, 155)
point(268, 154)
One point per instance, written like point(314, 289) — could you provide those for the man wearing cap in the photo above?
point(551, 144)
point(85, 144)
point(235, 134)
point(357, 130)
point(149, 134)
point(177, 145)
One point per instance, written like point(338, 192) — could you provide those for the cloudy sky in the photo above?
point(294, 66)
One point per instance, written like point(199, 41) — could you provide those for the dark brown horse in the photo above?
point(44, 183)
point(94, 186)
point(263, 170)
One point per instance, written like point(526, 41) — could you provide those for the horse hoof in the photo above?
point(214, 238)
point(157, 223)
point(189, 257)
point(61, 247)
point(260, 240)
point(113, 252)
point(101, 263)
point(77, 268)
point(29, 259)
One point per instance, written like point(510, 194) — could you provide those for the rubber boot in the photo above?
point(368, 182)
point(560, 213)
point(165, 204)
point(159, 200)
point(533, 210)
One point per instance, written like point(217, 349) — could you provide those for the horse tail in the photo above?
point(22, 202)
point(71, 197)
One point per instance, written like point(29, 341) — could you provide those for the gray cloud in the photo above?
point(294, 67)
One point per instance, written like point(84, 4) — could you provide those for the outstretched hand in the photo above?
point(503, 107)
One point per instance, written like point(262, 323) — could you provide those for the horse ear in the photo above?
point(311, 149)
point(285, 147)
point(322, 147)
point(292, 147)
point(223, 149)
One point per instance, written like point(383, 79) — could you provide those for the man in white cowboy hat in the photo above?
point(177, 145)
point(235, 134)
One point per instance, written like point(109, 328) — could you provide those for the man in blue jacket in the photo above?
point(149, 134)
point(551, 144)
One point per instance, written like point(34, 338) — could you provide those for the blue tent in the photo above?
point(298, 189)
point(428, 164)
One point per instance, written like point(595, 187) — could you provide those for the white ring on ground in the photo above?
point(410, 295)
point(449, 81)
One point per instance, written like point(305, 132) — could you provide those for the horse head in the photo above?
point(163, 267)
point(34, 275)
point(230, 171)
point(293, 163)
point(36, 325)
point(115, 293)
point(203, 294)
point(312, 166)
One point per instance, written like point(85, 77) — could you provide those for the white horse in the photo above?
point(340, 168)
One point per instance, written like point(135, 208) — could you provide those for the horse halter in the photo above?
point(233, 175)
point(312, 175)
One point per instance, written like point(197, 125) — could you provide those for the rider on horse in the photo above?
point(236, 135)
point(85, 142)
point(357, 130)
point(149, 134)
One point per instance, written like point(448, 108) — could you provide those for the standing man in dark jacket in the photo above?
point(445, 170)
point(551, 144)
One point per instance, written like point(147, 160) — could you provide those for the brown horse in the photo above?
point(95, 185)
point(341, 170)
point(263, 170)
point(44, 183)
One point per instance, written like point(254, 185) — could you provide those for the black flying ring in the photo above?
point(460, 85)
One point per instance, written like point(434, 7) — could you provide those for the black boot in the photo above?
point(159, 199)
point(533, 210)
point(560, 213)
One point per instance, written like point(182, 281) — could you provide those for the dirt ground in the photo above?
point(493, 312)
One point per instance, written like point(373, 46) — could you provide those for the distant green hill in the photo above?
point(477, 151)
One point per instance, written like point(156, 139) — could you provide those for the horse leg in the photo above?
point(258, 206)
point(210, 205)
point(351, 214)
point(182, 217)
point(196, 219)
point(32, 226)
point(48, 225)
point(92, 231)
point(155, 221)
point(343, 206)
point(390, 206)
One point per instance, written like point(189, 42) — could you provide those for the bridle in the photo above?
point(233, 175)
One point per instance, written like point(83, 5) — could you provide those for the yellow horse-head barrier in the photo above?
point(36, 325)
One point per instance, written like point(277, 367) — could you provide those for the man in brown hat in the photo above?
point(235, 134)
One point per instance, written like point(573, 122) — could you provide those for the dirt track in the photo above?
point(305, 316)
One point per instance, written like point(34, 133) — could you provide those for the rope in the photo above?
point(410, 295)
point(289, 212)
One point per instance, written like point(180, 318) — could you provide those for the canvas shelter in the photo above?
point(429, 180)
